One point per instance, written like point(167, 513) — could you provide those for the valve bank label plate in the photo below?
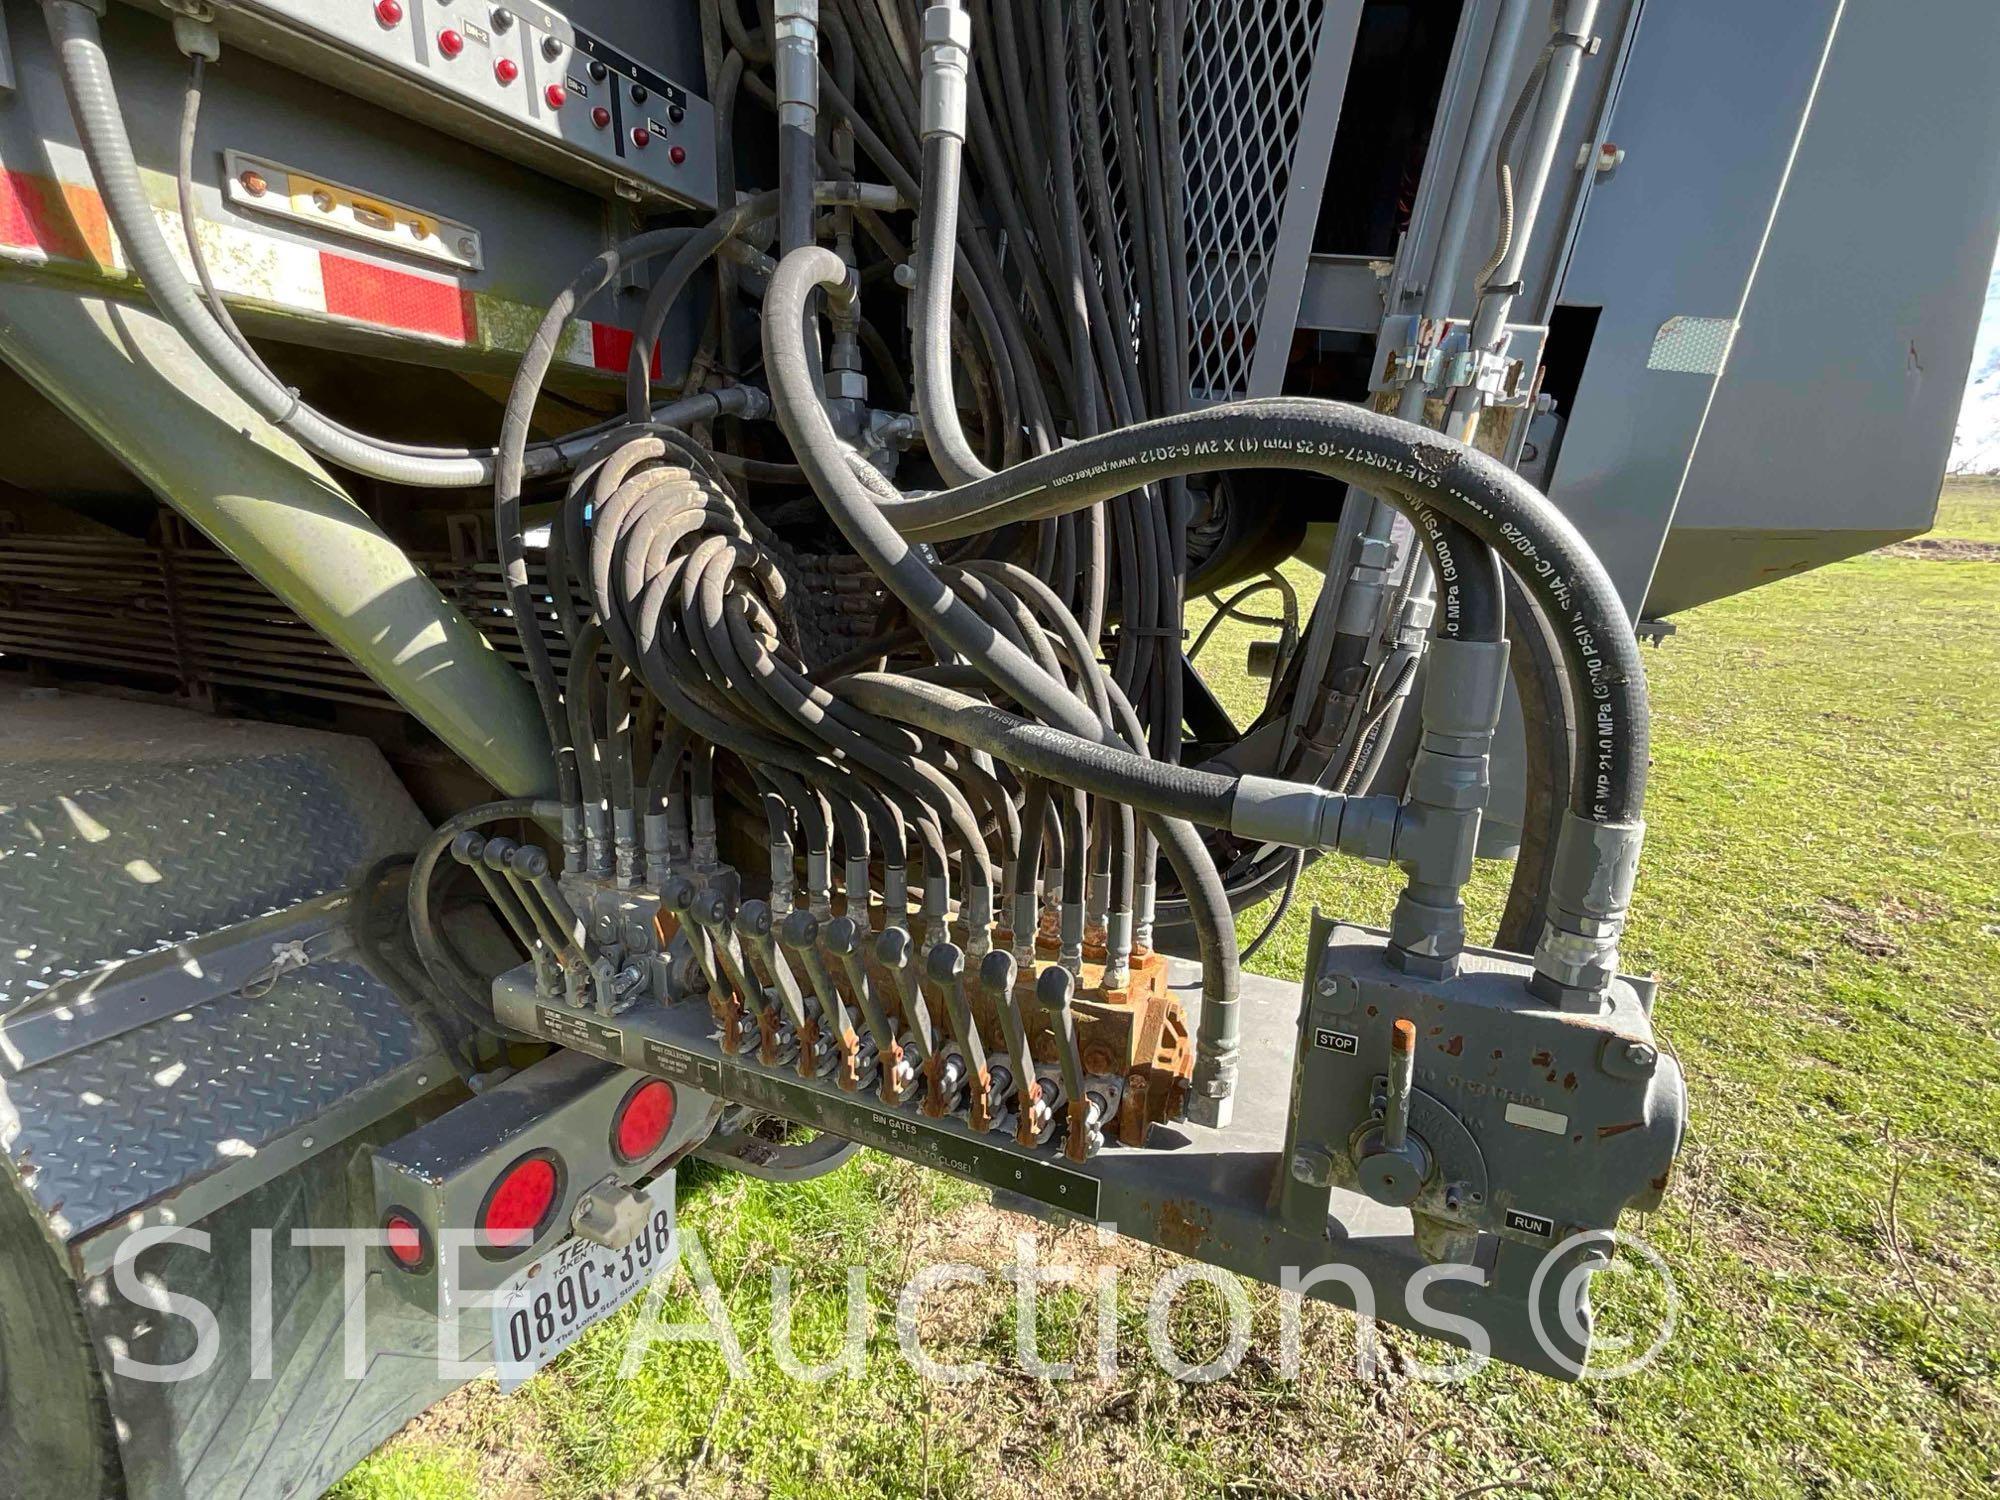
point(859, 1118)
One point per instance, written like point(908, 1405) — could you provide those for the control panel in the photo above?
point(517, 79)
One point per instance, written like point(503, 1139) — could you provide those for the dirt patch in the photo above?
point(1872, 933)
point(1945, 549)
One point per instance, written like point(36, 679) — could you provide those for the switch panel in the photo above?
point(516, 79)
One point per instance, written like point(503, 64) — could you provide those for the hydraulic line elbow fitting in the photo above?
point(947, 65)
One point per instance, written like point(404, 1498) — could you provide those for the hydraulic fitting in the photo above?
point(1590, 892)
point(947, 63)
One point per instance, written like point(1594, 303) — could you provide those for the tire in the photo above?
point(55, 1424)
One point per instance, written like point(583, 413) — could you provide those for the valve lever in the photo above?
point(469, 849)
point(800, 932)
point(754, 925)
point(1052, 993)
point(895, 952)
point(997, 973)
point(945, 972)
point(527, 869)
point(714, 913)
point(843, 941)
point(1402, 1076)
point(678, 897)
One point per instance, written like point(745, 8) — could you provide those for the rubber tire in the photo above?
point(55, 1424)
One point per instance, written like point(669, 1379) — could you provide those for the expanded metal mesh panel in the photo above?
point(1241, 107)
point(1242, 89)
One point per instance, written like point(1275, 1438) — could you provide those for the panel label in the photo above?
point(1537, 1119)
point(671, 1063)
point(1533, 1224)
point(1329, 1040)
point(573, 1030)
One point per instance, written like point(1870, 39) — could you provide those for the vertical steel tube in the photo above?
point(1544, 143)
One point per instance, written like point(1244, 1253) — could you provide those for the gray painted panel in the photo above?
point(1860, 326)
point(1707, 114)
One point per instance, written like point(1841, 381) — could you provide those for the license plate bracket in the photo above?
point(543, 1309)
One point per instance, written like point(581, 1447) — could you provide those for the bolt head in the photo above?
point(1312, 1166)
point(1329, 986)
point(1641, 1054)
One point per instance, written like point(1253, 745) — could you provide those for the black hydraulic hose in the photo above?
point(510, 475)
point(468, 992)
point(698, 245)
point(850, 500)
point(1153, 786)
point(1471, 598)
point(1533, 540)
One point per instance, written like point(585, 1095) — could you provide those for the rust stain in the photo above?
point(1569, 1082)
point(1540, 1060)
point(1184, 1225)
point(1605, 1131)
point(1455, 1046)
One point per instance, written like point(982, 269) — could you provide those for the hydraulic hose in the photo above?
point(852, 502)
point(108, 149)
point(465, 990)
point(1213, 799)
point(1533, 539)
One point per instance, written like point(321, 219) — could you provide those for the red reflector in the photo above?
point(406, 1241)
point(519, 1204)
point(643, 1120)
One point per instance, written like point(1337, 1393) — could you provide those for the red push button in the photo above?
point(506, 70)
point(640, 136)
point(601, 117)
point(557, 95)
point(677, 154)
point(450, 43)
point(389, 12)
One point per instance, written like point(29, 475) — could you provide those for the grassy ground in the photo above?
point(1821, 898)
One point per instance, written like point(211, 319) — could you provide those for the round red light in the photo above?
point(557, 95)
point(677, 154)
point(406, 1240)
point(450, 43)
point(518, 1207)
point(641, 135)
point(643, 1120)
point(389, 12)
point(506, 70)
point(600, 117)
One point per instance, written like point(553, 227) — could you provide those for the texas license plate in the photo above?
point(540, 1311)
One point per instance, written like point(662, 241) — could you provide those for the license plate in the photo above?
point(539, 1312)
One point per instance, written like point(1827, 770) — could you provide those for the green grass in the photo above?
point(1821, 900)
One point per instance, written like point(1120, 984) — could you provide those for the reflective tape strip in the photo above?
point(364, 292)
point(45, 220)
point(611, 349)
